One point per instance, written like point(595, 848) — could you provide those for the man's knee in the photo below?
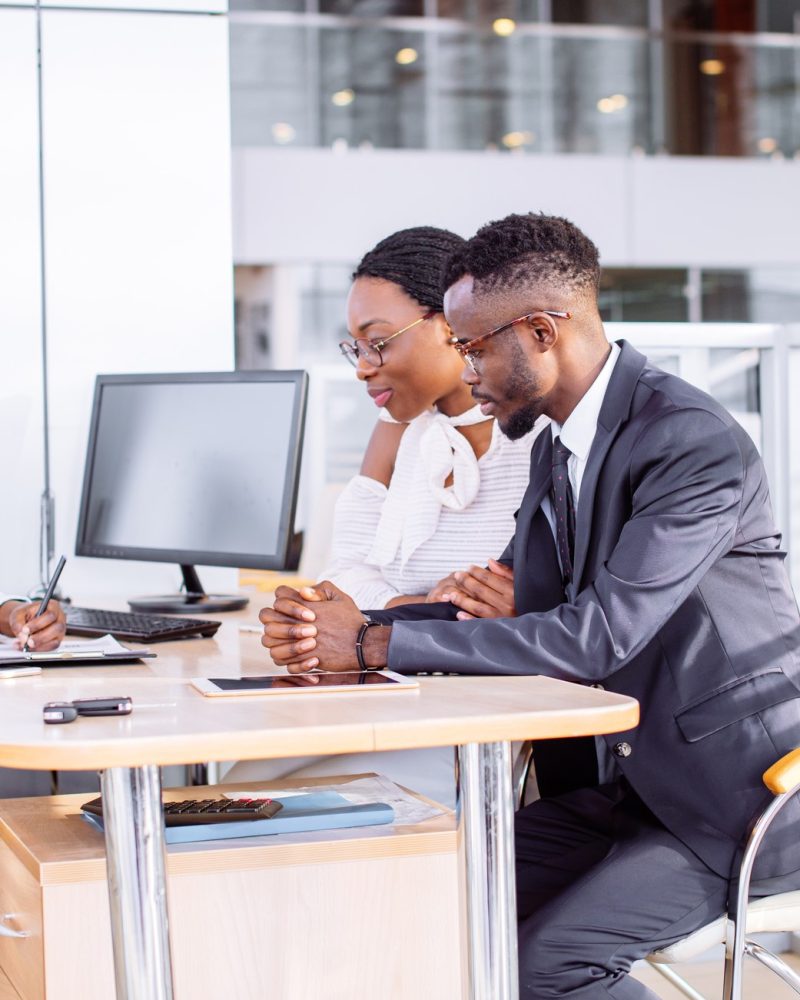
point(547, 965)
point(555, 963)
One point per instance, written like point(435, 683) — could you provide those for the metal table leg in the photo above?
point(203, 774)
point(487, 813)
point(137, 886)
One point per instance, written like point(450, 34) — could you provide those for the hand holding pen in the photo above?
point(40, 626)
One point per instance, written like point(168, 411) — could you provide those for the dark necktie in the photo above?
point(563, 509)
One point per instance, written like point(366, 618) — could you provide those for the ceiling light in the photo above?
point(343, 97)
point(712, 67)
point(608, 105)
point(406, 56)
point(283, 133)
point(767, 144)
point(515, 140)
point(504, 26)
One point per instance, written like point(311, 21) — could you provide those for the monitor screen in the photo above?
point(193, 468)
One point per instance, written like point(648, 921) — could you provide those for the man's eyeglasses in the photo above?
point(370, 350)
point(468, 349)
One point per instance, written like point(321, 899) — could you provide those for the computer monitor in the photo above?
point(194, 469)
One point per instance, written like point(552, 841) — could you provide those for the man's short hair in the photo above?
point(523, 250)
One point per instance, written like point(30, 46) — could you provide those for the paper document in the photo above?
point(408, 809)
point(69, 648)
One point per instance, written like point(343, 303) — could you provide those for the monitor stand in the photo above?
point(194, 600)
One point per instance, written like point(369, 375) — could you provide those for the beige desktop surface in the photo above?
point(182, 726)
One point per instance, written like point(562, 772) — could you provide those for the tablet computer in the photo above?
point(317, 682)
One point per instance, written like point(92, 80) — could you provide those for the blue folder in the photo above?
point(300, 813)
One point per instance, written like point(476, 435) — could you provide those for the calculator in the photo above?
point(190, 812)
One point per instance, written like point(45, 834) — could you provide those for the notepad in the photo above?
point(70, 653)
point(300, 814)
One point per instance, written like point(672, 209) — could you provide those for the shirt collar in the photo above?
point(580, 427)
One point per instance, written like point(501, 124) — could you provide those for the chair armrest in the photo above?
point(784, 775)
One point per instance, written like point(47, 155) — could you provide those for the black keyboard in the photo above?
point(192, 811)
point(130, 625)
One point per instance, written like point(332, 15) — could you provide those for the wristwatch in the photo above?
point(362, 663)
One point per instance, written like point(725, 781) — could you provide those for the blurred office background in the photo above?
point(187, 187)
point(668, 129)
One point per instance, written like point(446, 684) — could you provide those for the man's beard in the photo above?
point(520, 422)
point(522, 383)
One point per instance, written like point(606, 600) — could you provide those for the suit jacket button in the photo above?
point(623, 749)
point(598, 686)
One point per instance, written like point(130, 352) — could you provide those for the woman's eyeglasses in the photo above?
point(468, 348)
point(370, 350)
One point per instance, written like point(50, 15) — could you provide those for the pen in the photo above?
point(48, 594)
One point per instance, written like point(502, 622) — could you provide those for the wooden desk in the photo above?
point(480, 715)
point(292, 917)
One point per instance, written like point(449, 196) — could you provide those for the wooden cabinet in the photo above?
point(354, 914)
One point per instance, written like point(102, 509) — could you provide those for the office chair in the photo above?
point(780, 912)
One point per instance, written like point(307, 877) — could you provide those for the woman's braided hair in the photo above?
point(415, 260)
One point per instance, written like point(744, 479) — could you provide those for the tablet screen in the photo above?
point(318, 681)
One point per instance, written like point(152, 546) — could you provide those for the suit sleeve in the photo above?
point(686, 481)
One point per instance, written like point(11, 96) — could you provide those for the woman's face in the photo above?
point(420, 369)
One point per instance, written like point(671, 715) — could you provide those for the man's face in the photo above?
point(513, 377)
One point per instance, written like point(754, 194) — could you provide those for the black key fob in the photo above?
point(103, 706)
point(57, 712)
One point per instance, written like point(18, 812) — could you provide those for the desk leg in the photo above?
point(137, 885)
point(487, 813)
point(203, 774)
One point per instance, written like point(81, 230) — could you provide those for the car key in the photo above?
point(103, 706)
point(59, 712)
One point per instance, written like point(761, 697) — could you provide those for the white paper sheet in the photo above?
point(105, 644)
point(408, 810)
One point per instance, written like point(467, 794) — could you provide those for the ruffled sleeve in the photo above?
point(358, 512)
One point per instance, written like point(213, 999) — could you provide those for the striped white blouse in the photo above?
point(405, 538)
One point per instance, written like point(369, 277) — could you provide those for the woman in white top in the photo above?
point(439, 483)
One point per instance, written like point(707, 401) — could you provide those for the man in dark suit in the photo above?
point(645, 560)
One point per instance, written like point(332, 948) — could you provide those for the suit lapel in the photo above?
point(613, 413)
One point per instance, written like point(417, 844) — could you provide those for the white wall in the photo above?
point(315, 204)
point(21, 455)
point(138, 243)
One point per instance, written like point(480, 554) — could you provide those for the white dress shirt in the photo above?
point(577, 433)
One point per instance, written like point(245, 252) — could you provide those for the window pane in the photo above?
point(373, 8)
point(537, 94)
point(295, 6)
point(486, 12)
point(627, 12)
point(725, 297)
point(731, 100)
point(645, 294)
point(733, 377)
point(763, 295)
point(269, 102)
point(323, 292)
point(372, 87)
point(474, 90)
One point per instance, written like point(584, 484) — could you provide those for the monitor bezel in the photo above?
point(235, 560)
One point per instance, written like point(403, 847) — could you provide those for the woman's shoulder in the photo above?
point(381, 451)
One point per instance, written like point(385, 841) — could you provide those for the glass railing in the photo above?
point(433, 83)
